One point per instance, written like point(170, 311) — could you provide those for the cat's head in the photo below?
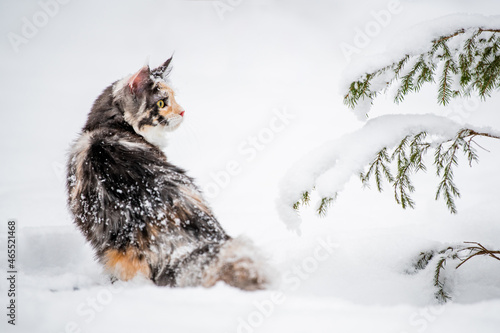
point(148, 103)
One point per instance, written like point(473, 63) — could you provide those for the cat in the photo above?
point(142, 214)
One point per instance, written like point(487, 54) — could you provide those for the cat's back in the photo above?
point(113, 160)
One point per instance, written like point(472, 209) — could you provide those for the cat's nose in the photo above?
point(182, 113)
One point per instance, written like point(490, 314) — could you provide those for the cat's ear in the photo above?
point(163, 70)
point(139, 81)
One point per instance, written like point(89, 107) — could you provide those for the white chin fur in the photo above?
point(157, 135)
point(173, 123)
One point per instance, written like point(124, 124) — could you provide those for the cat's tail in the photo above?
point(239, 264)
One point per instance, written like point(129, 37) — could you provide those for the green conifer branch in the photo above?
point(426, 74)
point(441, 295)
point(408, 158)
point(444, 165)
point(378, 168)
point(326, 202)
point(421, 262)
point(476, 63)
point(398, 67)
point(446, 159)
point(444, 91)
point(456, 252)
point(304, 201)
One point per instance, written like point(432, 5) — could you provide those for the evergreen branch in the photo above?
point(421, 262)
point(426, 75)
point(461, 31)
point(490, 77)
point(444, 164)
point(398, 67)
point(464, 63)
point(326, 202)
point(417, 149)
point(444, 91)
point(454, 253)
point(470, 151)
point(441, 295)
point(407, 82)
point(399, 151)
point(304, 201)
point(407, 165)
point(378, 168)
point(476, 61)
point(439, 281)
point(443, 47)
point(444, 38)
point(467, 59)
point(475, 133)
point(359, 89)
point(408, 158)
point(444, 160)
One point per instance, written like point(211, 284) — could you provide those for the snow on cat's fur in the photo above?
point(142, 214)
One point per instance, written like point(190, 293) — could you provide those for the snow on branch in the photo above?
point(386, 143)
point(463, 62)
point(437, 260)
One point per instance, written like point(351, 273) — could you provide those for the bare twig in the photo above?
point(479, 250)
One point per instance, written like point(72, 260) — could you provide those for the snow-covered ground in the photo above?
point(260, 84)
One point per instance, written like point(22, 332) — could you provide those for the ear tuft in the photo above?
point(163, 70)
point(139, 80)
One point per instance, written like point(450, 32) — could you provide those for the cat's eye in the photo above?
point(160, 103)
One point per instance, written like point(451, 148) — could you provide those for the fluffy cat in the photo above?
point(142, 214)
